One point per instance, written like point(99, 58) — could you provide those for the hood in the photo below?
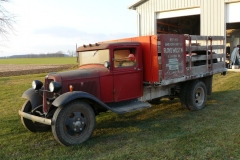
point(85, 72)
point(82, 73)
point(83, 79)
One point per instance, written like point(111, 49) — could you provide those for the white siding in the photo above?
point(232, 10)
point(213, 14)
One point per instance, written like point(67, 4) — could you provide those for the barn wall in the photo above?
point(212, 14)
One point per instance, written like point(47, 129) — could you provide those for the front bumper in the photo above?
point(35, 118)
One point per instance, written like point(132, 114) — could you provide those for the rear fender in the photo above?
point(34, 97)
point(70, 96)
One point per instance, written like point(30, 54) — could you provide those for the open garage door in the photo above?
point(232, 26)
point(185, 21)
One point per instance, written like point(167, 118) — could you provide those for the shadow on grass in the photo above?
point(167, 120)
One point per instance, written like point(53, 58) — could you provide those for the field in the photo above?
point(24, 66)
point(164, 131)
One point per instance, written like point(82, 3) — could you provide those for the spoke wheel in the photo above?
point(74, 123)
point(31, 125)
point(197, 95)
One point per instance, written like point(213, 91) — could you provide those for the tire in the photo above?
point(197, 96)
point(155, 101)
point(184, 94)
point(74, 123)
point(31, 125)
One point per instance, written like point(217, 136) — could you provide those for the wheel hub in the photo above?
point(75, 123)
point(78, 125)
point(199, 98)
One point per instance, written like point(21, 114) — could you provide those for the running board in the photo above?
point(128, 106)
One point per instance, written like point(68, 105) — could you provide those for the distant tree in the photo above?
point(60, 54)
point(71, 53)
point(6, 20)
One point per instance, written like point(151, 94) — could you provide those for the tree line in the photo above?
point(43, 55)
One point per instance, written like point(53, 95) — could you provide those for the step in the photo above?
point(128, 106)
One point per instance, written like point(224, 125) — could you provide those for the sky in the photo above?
point(49, 26)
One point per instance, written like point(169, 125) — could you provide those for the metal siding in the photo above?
point(212, 14)
point(231, 1)
point(212, 17)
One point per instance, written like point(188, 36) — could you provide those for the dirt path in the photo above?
point(7, 70)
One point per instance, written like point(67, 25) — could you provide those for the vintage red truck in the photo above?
point(122, 76)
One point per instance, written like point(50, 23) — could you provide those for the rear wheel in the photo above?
point(31, 125)
point(197, 95)
point(74, 123)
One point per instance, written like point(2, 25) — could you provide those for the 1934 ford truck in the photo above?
point(122, 76)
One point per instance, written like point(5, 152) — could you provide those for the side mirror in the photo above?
point(107, 64)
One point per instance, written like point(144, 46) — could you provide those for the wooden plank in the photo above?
point(199, 48)
point(195, 37)
point(218, 55)
point(218, 66)
point(218, 46)
point(198, 69)
point(217, 37)
point(196, 58)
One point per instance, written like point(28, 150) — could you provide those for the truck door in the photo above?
point(127, 73)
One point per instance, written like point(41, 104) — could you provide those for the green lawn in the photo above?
point(47, 60)
point(163, 131)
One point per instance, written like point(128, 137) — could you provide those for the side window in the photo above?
point(124, 57)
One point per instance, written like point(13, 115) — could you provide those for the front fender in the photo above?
point(35, 98)
point(70, 96)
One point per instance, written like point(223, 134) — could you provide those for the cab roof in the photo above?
point(98, 46)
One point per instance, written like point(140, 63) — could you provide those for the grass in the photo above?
point(164, 131)
point(56, 60)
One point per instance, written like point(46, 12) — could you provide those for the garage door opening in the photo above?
point(232, 26)
point(179, 25)
point(233, 36)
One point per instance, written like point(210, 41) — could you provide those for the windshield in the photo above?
point(93, 57)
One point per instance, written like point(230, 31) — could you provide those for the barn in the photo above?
point(194, 17)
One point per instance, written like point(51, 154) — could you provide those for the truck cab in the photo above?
point(119, 66)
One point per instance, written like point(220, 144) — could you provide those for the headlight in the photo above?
point(36, 84)
point(54, 87)
point(106, 64)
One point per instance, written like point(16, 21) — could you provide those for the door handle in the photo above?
point(138, 69)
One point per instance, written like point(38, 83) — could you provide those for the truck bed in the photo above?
point(203, 56)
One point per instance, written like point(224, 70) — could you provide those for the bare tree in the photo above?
point(6, 20)
point(71, 53)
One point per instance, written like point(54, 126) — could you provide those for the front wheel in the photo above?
point(197, 95)
point(74, 123)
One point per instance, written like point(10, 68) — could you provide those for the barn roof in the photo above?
point(136, 4)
